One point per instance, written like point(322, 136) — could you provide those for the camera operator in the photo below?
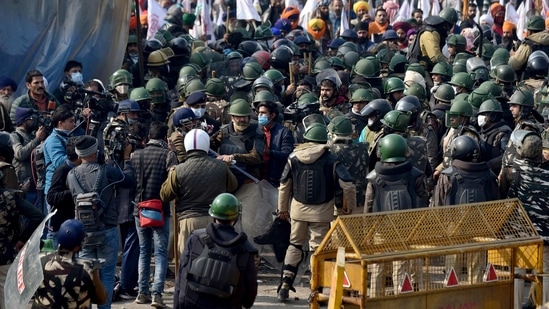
point(116, 132)
point(70, 89)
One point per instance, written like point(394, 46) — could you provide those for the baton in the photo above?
point(239, 169)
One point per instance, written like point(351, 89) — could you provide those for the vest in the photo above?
point(313, 183)
point(472, 184)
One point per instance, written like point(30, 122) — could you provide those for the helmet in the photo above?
point(215, 87)
point(121, 77)
point(234, 55)
point(528, 144)
point(321, 64)
point(71, 234)
point(459, 66)
point(393, 148)
point(505, 73)
point(263, 32)
point(350, 59)
point(500, 56)
point(441, 68)
point(536, 23)
point(340, 125)
point(335, 43)
point(365, 68)
point(262, 58)
point(140, 94)
point(240, 107)
point(409, 104)
point(416, 67)
point(461, 107)
point(492, 88)
point(538, 64)
point(251, 71)
point(262, 82)
point(349, 34)
point(361, 95)
point(200, 59)
point(398, 63)
point(180, 46)
point(416, 90)
point(456, 39)
point(397, 120)
point(346, 47)
point(225, 206)
point(274, 75)
point(196, 139)
point(132, 39)
point(189, 70)
point(462, 79)
point(377, 107)
point(523, 97)
point(478, 96)
point(128, 105)
point(317, 132)
point(384, 55)
point(445, 93)
point(157, 58)
point(475, 63)
point(335, 62)
point(449, 15)
point(281, 56)
point(390, 35)
point(157, 89)
point(182, 116)
point(301, 39)
point(248, 48)
point(306, 100)
point(490, 106)
point(464, 148)
point(393, 84)
point(263, 96)
point(194, 85)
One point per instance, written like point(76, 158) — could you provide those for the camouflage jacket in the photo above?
point(355, 158)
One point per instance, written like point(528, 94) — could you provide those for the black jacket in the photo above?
point(60, 197)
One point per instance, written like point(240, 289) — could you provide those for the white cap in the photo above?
point(197, 139)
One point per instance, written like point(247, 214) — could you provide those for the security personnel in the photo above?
point(537, 68)
point(120, 83)
point(354, 156)
point(312, 200)
point(494, 131)
point(359, 99)
point(67, 284)
point(160, 106)
point(537, 39)
point(394, 89)
point(374, 111)
point(216, 106)
point(117, 128)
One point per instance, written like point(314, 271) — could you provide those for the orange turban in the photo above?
point(316, 28)
point(291, 13)
point(361, 5)
point(495, 8)
point(508, 26)
point(143, 17)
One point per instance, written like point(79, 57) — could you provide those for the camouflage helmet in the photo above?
point(361, 95)
point(194, 85)
point(140, 94)
point(321, 64)
point(393, 148)
point(397, 120)
point(157, 88)
point(462, 79)
point(398, 63)
point(121, 77)
point(449, 15)
point(215, 87)
point(251, 71)
point(263, 96)
point(416, 90)
point(240, 107)
point(225, 206)
point(536, 23)
point(274, 75)
point(478, 96)
point(365, 68)
point(490, 106)
point(340, 125)
point(445, 93)
point(464, 148)
point(505, 73)
point(317, 132)
point(393, 84)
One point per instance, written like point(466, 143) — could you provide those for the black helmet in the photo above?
point(281, 56)
point(538, 64)
point(248, 48)
point(180, 46)
point(335, 43)
point(464, 148)
point(409, 103)
point(350, 35)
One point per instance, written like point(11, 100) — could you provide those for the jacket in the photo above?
point(60, 197)
point(55, 154)
point(27, 102)
point(281, 145)
point(519, 59)
point(23, 144)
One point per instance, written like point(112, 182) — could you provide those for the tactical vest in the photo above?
point(395, 191)
point(492, 139)
point(418, 147)
point(468, 187)
point(313, 183)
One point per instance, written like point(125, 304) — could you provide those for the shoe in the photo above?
point(123, 294)
point(284, 292)
point(169, 273)
point(143, 299)
point(158, 302)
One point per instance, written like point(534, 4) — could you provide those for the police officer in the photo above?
point(359, 99)
point(494, 132)
point(216, 106)
point(312, 201)
point(160, 106)
point(375, 111)
point(394, 89)
point(536, 39)
point(224, 211)
point(537, 69)
point(67, 283)
point(120, 82)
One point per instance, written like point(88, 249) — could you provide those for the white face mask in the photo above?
point(283, 88)
point(455, 89)
point(77, 78)
point(481, 120)
point(198, 112)
point(371, 122)
point(122, 89)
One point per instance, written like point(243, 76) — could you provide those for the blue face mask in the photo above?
point(263, 120)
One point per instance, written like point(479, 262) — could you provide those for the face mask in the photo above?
point(77, 78)
point(481, 119)
point(283, 88)
point(455, 89)
point(263, 120)
point(122, 89)
point(371, 122)
point(198, 112)
point(132, 121)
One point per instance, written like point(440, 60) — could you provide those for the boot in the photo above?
point(284, 288)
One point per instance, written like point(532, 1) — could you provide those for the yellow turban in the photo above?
point(316, 28)
point(361, 5)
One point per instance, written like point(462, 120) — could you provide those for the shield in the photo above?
point(313, 118)
point(329, 74)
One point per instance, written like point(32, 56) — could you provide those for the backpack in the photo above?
point(313, 183)
point(393, 195)
point(467, 188)
point(216, 272)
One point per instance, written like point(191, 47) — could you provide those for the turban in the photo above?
point(316, 28)
point(508, 26)
point(361, 5)
point(402, 25)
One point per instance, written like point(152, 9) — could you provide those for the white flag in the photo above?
point(521, 22)
point(425, 6)
point(155, 18)
point(344, 25)
point(404, 12)
point(435, 9)
point(246, 11)
point(307, 13)
point(511, 14)
point(206, 20)
point(293, 3)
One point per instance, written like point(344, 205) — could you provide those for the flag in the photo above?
point(186, 4)
point(293, 3)
point(246, 11)
point(372, 11)
point(344, 25)
point(511, 14)
point(155, 18)
point(307, 13)
point(521, 22)
point(435, 9)
point(206, 27)
point(425, 6)
point(404, 12)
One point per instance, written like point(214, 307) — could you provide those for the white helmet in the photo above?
point(197, 139)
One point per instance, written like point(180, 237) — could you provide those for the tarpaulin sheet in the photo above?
point(45, 34)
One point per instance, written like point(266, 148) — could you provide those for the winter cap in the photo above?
point(86, 147)
point(188, 19)
point(6, 81)
point(22, 114)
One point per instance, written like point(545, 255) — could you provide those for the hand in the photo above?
point(86, 112)
point(41, 133)
point(226, 158)
point(291, 89)
point(128, 148)
point(283, 215)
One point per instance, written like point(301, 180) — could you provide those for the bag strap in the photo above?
point(97, 180)
point(207, 240)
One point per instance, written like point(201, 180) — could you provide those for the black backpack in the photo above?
point(467, 188)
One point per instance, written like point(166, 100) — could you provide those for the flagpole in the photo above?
point(139, 45)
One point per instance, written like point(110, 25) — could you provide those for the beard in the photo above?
point(7, 101)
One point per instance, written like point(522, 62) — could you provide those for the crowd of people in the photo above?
point(383, 116)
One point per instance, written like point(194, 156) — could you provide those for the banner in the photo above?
point(246, 11)
point(155, 18)
point(307, 13)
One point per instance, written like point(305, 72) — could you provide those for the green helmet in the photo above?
point(397, 120)
point(494, 89)
point(459, 66)
point(274, 75)
point(365, 68)
point(264, 96)
point(399, 62)
point(445, 93)
point(441, 68)
point(182, 82)
point(240, 107)
point(263, 32)
point(157, 88)
point(251, 71)
point(536, 23)
point(523, 97)
point(449, 15)
point(350, 59)
point(336, 62)
point(376, 63)
point(225, 206)
point(478, 96)
point(505, 73)
point(188, 70)
point(321, 64)
point(416, 67)
point(384, 56)
point(361, 95)
point(340, 125)
point(490, 106)
point(393, 84)
point(200, 59)
point(140, 94)
point(121, 77)
point(306, 99)
point(234, 55)
point(456, 39)
point(487, 51)
point(346, 47)
point(462, 79)
point(317, 132)
point(194, 85)
point(461, 107)
point(132, 39)
point(416, 90)
point(215, 87)
point(393, 148)
point(500, 56)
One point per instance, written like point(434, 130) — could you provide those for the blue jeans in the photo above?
point(130, 256)
point(160, 237)
point(108, 251)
